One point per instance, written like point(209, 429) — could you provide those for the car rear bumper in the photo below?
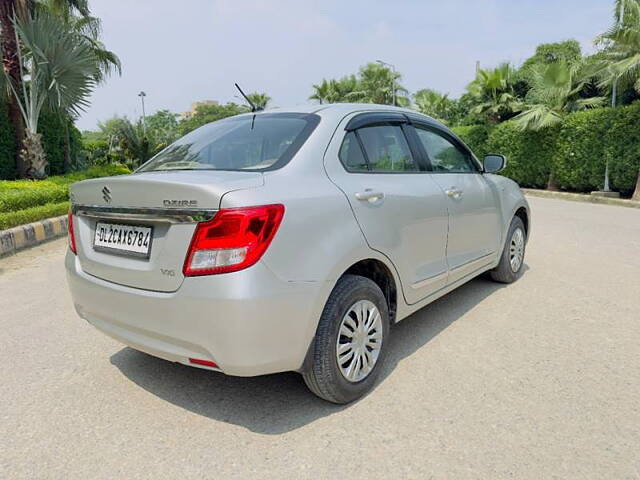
point(248, 322)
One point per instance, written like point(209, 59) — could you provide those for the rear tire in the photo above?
point(512, 260)
point(355, 320)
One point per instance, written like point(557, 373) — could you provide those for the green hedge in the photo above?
point(475, 137)
point(529, 154)
point(588, 139)
point(55, 129)
point(7, 145)
point(576, 150)
point(22, 198)
point(33, 214)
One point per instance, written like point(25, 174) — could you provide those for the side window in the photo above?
point(351, 154)
point(387, 149)
point(444, 155)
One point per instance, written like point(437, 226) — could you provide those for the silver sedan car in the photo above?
point(291, 240)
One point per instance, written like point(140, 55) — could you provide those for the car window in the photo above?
point(444, 155)
point(351, 154)
point(387, 149)
point(248, 142)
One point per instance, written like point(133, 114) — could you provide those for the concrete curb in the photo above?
point(24, 236)
point(581, 197)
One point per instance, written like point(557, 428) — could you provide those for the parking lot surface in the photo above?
point(538, 379)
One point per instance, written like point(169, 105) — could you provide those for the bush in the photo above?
point(475, 137)
point(33, 214)
point(7, 145)
point(20, 199)
point(529, 154)
point(59, 139)
point(588, 139)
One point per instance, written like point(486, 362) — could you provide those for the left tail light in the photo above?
point(233, 240)
point(72, 235)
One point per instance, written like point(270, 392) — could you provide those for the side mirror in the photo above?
point(493, 163)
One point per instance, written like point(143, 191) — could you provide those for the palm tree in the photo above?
point(555, 92)
point(493, 94)
point(61, 76)
point(260, 100)
point(321, 91)
point(434, 104)
point(621, 53)
point(377, 84)
point(137, 145)
point(345, 89)
point(76, 15)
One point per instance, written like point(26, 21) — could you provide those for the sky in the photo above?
point(182, 51)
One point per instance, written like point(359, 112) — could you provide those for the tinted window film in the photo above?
point(351, 154)
point(249, 142)
point(387, 149)
point(444, 155)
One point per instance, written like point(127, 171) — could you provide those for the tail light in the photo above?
point(233, 240)
point(72, 235)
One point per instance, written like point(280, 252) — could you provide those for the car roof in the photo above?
point(338, 111)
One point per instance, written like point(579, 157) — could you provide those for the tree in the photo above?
point(345, 89)
point(163, 126)
point(79, 21)
point(208, 113)
point(492, 93)
point(435, 104)
point(61, 75)
point(377, 84)
point(374, 83)
point(555, 92)
point(137, 145)
point(260, 100)
point(321, 91)
point(621, 53)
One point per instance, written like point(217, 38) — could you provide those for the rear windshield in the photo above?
point(264, 141)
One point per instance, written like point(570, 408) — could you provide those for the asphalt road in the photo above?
point(539, 379)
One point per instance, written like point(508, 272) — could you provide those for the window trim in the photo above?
point(475, 164)
point(415, 154)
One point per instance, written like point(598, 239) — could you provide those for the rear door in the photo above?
point(474, 221)
point(400, 209)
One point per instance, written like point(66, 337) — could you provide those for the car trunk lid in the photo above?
point(170, 203)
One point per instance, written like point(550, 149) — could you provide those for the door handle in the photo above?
point(454, 192)
point(369, 195)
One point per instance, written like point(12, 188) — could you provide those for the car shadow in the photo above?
point(274, 404)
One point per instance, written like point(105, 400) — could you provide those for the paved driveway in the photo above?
point(538, 379)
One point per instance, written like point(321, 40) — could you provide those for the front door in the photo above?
point(401, 210)
point(474, 221)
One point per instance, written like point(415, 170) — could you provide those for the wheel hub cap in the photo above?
point(359, 340)
point(516, 249)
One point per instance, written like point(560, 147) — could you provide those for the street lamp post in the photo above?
point(393, 79)
point(144, 120)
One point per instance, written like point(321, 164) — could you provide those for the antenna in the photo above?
point(253, 107)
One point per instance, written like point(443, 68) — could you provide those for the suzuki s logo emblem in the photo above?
point(106, 194)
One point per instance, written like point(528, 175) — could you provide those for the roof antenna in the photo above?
point(253, 107)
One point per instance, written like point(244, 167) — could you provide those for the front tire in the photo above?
point(351, 341)
point(512, 260)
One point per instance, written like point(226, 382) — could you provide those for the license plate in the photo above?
point(123, 239)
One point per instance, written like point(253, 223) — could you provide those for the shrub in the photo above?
point(59, 139)
point(19, 199)
point(33, 214)
point(7, 145)
point(475, 137)
point(529, 154)
point(588, 139)
point(579, 160)
point(21, 195)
